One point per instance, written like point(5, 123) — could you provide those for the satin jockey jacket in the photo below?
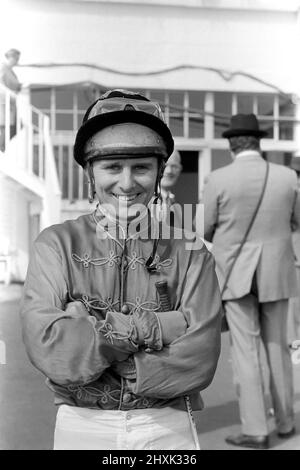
point(106, 352)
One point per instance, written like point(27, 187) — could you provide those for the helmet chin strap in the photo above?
point(157, 188)
point(91, 182)
point(150, 264)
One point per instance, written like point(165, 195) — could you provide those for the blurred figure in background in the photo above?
point(171, 210)
point(9, 79)
point(263, 278)
point(294, 303)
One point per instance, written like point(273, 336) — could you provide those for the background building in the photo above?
point(201, 60)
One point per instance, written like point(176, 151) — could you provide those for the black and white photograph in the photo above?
point(149, 227)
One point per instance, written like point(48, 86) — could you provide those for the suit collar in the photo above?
point(247, 155)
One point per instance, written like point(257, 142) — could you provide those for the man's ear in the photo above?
point(88, 171)
point(86, 174)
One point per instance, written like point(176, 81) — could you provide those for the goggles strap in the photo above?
point(157, 188)
point(128, 152)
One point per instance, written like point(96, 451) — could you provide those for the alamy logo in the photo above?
point(188, 219)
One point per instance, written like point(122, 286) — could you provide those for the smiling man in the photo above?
point(124, 324)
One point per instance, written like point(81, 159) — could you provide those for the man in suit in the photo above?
point(170, 176)
point(262, 279)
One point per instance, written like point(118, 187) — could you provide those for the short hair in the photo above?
point(244, 142)
point(12, 52)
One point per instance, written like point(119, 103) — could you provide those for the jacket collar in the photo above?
point(247, 155)
point(121, 232)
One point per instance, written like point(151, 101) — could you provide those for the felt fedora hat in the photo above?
point(244, 124)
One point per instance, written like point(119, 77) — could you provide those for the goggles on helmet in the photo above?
point(110, 105)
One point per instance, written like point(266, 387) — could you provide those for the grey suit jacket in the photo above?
point(230, 197)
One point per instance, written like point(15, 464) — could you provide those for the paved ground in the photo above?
point(28, 416)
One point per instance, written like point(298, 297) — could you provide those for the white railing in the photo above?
point(27, 153)
point(71, 176)
point(22, 133)
point(52, 212)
